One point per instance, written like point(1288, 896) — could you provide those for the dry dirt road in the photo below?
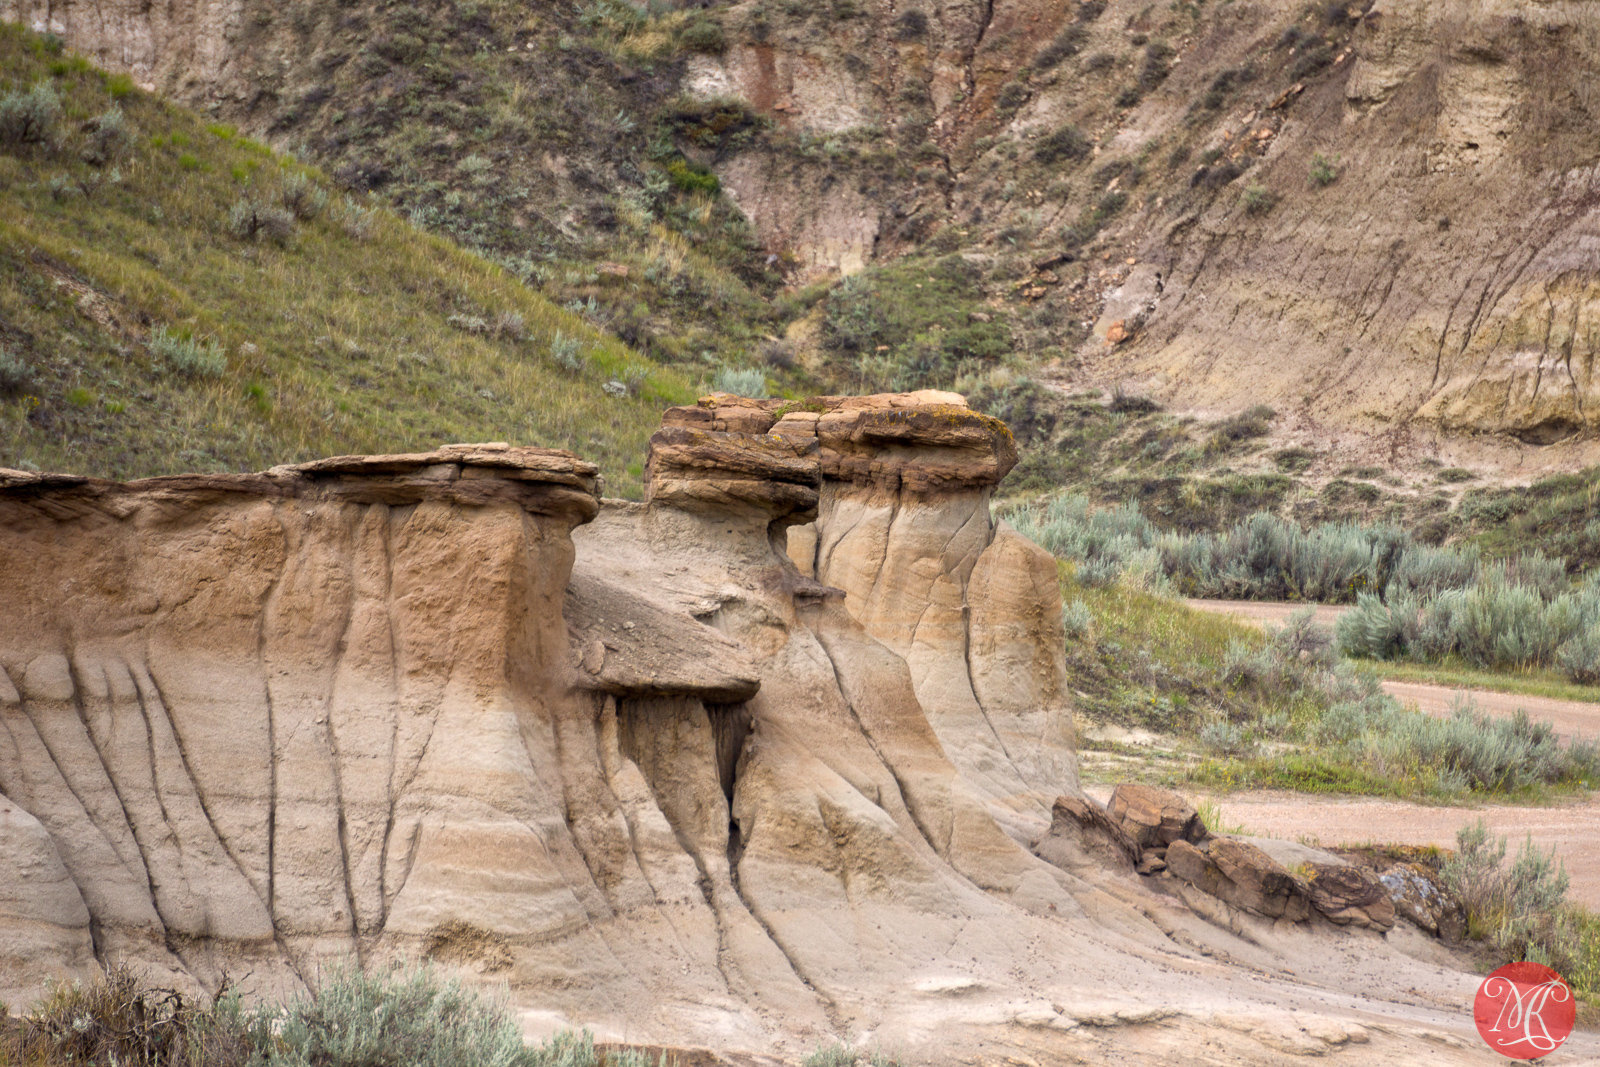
point(1571, 828)
point(1570, 717)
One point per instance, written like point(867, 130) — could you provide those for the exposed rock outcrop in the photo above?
point(1156, 818)
point(628, 758)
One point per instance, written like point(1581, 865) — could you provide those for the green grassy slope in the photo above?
point(356, 332)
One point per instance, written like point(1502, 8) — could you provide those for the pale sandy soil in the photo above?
point(1570, 717)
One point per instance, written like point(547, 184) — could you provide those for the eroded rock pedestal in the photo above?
point(764, 762)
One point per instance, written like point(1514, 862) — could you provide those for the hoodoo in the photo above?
point(766, 760)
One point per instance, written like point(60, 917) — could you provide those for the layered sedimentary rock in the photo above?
point(759, 763)
point(267, 719)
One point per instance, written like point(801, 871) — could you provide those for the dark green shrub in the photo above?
point(1129, 97)
point(402, 48)
point(1124, 403)
point(1324, 171)
point(1157, 65)
point(704, 34)
point(1311, 61)
point(693, 177)
point(1010, 99)
point(1069, 42)
point(1294, 460)
point(1068, 142)
point(910, 26)
point(1337, 13)
point(1021, 403)
point(1110, 204)
point(1258, 200)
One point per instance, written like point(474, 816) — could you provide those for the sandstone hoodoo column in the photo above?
point(749, 706)
point(904, 528)
point(257, 723)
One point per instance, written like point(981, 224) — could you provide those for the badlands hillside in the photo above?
point(1373, 215)
point(782, 755)
point(744, 722)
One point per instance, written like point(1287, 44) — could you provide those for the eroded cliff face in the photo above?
point(1443, 278)
point(765, 761)
point(267, 720)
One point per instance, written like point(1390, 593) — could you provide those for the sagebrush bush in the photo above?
point(1495, 622)
point(28, 118)
point(110, 139)
point(1522, 912)
point(408, 1015)
point(1076, 618)
point(356, 221)
point(1262, 557)
point(749, 382)
point(1413, 601)
point(16, 376)
point(565, 355)
point(1226, 739)
point(1469, 749)
point(841, 1055)
point(249, 219)
point(302, 197)
point(188, 356)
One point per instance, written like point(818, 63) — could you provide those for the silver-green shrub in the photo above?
point(16, 376)
point(1076, 618)
point(188, 356)
point(302, 197)
point(109, 138)
point(565, 355)
point(750, 382)
point(29, 117)
point(407, 1015)
point(1521, 912)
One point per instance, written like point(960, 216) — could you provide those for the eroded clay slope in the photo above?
point(763, 762)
